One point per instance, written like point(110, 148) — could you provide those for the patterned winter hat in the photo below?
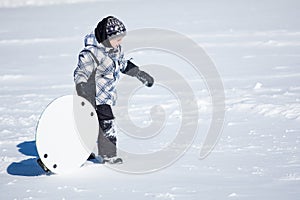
point(109, 27)
point(114, 27)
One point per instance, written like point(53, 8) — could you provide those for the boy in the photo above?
point(96, 75)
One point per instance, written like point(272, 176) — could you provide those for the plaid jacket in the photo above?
point(112, 62)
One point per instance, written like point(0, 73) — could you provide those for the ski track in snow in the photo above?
point(257, 155)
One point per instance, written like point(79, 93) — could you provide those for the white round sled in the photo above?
point(66, 133)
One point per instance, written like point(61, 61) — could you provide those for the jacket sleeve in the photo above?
point(84, 77)
point(131, 69)
point(84, 68)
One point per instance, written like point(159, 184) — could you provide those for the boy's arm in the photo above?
point(130, 69)
point(84, 77)
point(134, 71)
point(85, 68)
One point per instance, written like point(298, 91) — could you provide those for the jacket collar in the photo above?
point(90, 40)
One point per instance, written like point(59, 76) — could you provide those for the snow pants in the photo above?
point(107, 139)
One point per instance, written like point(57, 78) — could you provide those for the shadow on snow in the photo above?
point(27, 167)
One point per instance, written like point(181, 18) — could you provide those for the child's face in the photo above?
point(115, 42)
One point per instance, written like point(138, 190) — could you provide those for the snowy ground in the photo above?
point(256, 48)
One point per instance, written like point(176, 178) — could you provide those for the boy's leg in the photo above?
point(107, 136)
point(107, 139)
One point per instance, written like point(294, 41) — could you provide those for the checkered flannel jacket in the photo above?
point(112, 62)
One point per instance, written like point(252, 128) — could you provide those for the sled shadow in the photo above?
point(27, 167)
point(28, 148)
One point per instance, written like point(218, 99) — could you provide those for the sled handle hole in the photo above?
point(54, 166)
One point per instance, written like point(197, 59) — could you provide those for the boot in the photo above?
point(113, 160)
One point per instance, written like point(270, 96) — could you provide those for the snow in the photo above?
point(22, 3)
point(255, 47)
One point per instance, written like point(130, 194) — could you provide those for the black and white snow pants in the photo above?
point(107, 139)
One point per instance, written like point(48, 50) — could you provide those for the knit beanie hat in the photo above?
point(114, 27)
point(107, 28)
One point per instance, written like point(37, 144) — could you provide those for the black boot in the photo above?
point(92, 157)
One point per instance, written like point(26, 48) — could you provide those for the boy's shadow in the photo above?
point(27, 167)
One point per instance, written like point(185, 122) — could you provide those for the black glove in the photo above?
point(134, 71)
point(145, 78)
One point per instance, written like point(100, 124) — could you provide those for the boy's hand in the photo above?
point(145, 78)
point(134, 71)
